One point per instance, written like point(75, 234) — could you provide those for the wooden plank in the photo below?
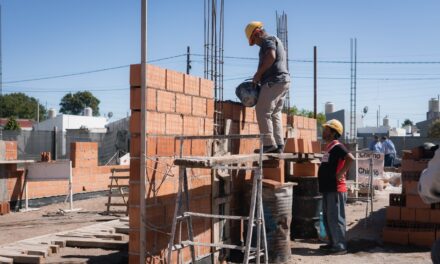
point(21, 258)
point(122, 230)
point(60, 243)
point(4, 260)
point(209, 162)
point(276, 184)
point(96, 243)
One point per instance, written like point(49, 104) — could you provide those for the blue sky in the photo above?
point(52, 37)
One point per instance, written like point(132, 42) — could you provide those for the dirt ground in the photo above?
point(364, 243)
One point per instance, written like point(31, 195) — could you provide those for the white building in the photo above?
point(74, 124)
point(64, 122)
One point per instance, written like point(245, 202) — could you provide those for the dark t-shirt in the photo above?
point(328, 169)
point(278, 71)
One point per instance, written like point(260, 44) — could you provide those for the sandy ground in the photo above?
point(365, 243)
point(22, 225)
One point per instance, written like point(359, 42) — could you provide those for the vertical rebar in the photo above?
point(315, 81)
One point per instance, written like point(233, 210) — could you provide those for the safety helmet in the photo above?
point(250, 28)
point(335, 124)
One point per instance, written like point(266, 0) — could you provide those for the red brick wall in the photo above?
point(177, 104)
point(84, 154)
point(87, 176)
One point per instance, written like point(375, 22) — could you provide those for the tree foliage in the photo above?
point(407, 122)
point(74, 104)
point(12, 124)
point(20, 105)
point(434, 129)
point(320, 117)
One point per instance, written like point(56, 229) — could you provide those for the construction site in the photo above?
point(188, 176)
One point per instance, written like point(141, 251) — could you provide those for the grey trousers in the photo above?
point(333, 211)
point(269, 106)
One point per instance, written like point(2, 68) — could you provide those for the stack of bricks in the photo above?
point(306, 146)
point(305, 127)
point(409, 220)
point(177, 104)
point(84, 154)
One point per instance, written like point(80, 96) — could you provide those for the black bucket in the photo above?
point(307, 186)
point(306, 208)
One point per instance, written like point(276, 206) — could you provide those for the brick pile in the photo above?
point(409, 220)
point(178, 104)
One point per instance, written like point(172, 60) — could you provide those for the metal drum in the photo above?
point(306, 207)
point(277, 207)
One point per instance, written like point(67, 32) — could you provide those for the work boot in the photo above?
point(336, 251)
point(268, 149)
point(280, 149)
point(325, 247)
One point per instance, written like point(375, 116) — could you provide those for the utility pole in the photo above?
point(1, 62)
point(188, 60)
point(144, 144)
point(315, 81)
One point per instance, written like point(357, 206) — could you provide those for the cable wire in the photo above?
point(88, 72)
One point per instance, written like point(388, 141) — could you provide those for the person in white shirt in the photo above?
point(429, 190)
point(389, 150)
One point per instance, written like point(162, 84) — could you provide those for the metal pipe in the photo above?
point(144, 144)
point(315, 81)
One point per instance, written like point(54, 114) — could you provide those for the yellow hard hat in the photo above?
point(250, 29)
point(335, 124)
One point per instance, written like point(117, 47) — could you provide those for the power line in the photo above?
point(338, 61)
point(71, 90)
point(88, 72)
point(346, 78)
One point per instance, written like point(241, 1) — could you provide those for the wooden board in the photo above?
point(35, 250)
point(209, 162)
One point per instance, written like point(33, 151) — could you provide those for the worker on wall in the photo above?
point(331, 178)
point(274, 79)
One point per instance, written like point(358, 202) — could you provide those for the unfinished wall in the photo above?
point(178, 104)
point(87, 176)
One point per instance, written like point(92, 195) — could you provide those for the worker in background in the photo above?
point(375, 145)
point(331, 177)
point(429, 190)
point(389, 150)
point(274, 79)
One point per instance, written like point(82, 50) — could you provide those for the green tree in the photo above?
point(407, 122)
point(74, 104)
point(434, 129)
point(20, 105)
point(12, 124)
point(320, 117)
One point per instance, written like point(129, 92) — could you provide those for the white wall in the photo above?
point(63, 122)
